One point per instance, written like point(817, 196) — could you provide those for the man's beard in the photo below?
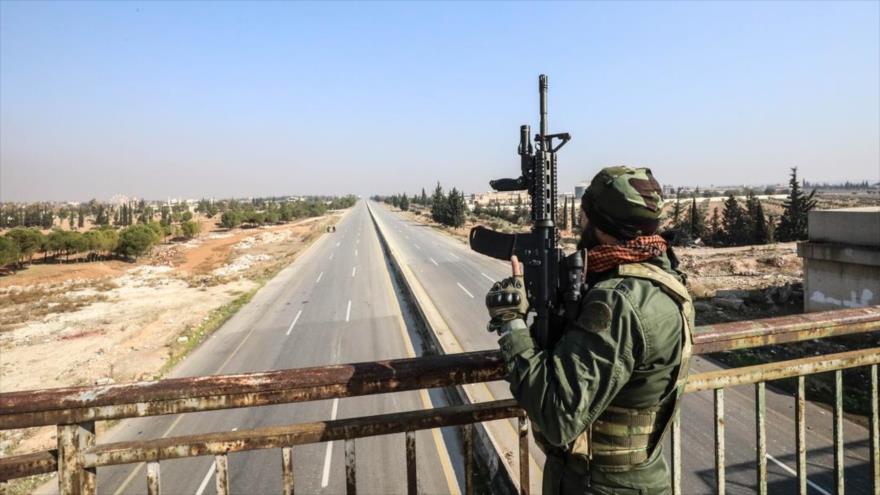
point(589, 238)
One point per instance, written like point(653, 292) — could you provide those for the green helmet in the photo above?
point(624, 202)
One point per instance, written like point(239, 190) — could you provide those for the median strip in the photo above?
point(497, 441)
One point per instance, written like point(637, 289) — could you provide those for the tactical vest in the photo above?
point(622, 437)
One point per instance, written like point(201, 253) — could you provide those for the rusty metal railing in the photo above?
point(75, 410)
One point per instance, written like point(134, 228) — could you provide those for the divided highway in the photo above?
point(334, 304)
point(457, 279)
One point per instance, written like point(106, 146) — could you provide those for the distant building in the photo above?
point(120, 199)
point(502, 198)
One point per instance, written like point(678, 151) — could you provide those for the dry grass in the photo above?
point(20, 305)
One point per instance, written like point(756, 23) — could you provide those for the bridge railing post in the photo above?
point(73, 477)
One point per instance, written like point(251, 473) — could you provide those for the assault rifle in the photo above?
point(553, 280)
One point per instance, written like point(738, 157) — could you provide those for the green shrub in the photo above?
point(136, 240)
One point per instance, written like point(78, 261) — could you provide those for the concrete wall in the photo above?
point(842, 259)
point(852, 226)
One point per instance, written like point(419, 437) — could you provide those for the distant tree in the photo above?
point(761, 230)
point(403, 203)
point(793, 223)
point(230, 219)
point(9, 253)
point(734, 223)
point(696, 220)
point(456, 209)
point(715, 233)
point(205, 208)
point(165, 216)
point(28, 240)
point(159, 231)
point(135, 241)
point(67, 242)
point(47, 218)
point(101, 217)
point(757, 225)
point(439, 205)
point(424, 198)
point(189, 229)
point(257, 218)
point(94, 242)
point(272, 217)
point(285, 212)
point(108, 241)
point(675, 216)
point(81, 218)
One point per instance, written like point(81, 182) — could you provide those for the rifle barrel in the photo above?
point(542, 89)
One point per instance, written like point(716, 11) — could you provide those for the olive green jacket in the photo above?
point(623, 349)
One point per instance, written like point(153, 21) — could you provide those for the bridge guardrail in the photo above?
point(76, 409)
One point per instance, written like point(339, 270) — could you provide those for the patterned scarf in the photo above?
point(606, 256)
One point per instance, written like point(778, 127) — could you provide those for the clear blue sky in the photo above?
point(220, 99)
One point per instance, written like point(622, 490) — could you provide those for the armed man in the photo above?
point(602, 396)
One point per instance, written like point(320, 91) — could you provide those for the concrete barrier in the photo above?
point(496, 452)
point(842, 259)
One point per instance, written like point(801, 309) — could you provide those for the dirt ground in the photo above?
point(111, 321)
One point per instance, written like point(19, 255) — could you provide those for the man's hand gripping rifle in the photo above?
point(553, 281)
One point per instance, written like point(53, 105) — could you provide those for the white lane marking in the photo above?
point(465, 290)
point(321, 274)
point(432, 261)
point(454, 256)
point(348, 311)
point(207, 478)
point(488, 277)
point(417, 247)
point(331, 255)
point(357, 241)
point(295, 318)
point(337, 244)
point(354, 270)
point(355, 252)
point(794, 473)
point(325, 476)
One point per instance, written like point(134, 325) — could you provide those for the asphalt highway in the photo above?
point(457, 280)
point(334, 304)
